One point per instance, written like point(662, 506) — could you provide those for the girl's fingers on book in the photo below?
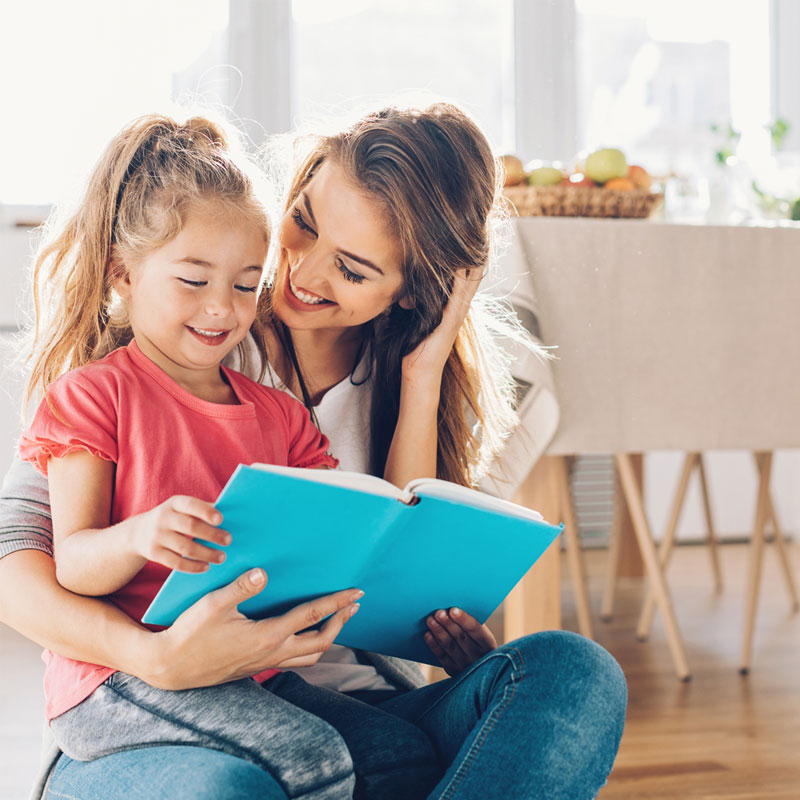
point(172, 560)
point(187, 548)
point(195, 507)
point(192, 526)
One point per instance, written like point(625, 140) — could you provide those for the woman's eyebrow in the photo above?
point(365, 261)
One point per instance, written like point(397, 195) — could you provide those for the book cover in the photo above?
point(315, 534)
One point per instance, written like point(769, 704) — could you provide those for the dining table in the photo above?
point(664, 336)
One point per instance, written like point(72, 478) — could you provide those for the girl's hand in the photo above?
point(212, 643)
point(429, 357)
point(166, 534)
point(457, 639)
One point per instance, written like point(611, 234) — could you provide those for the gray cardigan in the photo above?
point(26, 524)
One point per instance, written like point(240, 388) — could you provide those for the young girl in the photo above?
point(138, 438)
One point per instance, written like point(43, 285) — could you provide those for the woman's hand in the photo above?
point(412, 453)
point(457, 639)
point(212, 643)
point(429, 357)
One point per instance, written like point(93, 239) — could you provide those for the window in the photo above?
point(353, 52)
point(652, 77)
point(74, 73)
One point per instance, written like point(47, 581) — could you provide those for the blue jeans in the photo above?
point(537, 718)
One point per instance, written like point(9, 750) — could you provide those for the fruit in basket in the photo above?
point(514, 171)
point(605, 164)
point(640, 177)
point(545, 176)
point(620, 185)
point(578, 179)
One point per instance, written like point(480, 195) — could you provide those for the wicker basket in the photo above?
point(580, 201)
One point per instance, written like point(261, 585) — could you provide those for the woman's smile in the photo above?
point(302, 300)
point(309, 298)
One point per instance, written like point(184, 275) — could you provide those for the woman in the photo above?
point(384, 222)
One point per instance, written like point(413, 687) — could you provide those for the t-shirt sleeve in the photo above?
point(308, 447)
point(76, 414)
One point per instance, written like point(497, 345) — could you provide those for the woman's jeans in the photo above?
point(540, 717)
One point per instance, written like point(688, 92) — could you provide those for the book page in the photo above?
point(431, 487)
point(336, 477)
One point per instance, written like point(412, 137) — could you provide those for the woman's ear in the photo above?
point(406, 302)
point(118, 274)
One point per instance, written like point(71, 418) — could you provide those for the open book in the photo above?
point(431, 545)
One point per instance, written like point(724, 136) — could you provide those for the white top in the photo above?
point(343, 416)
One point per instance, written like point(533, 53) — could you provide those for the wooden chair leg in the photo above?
point(667, 543)
point(764, 463)
point(783, 554)
point(651, 561)
point(612, 566)
point(711, 535)
point(573, 546)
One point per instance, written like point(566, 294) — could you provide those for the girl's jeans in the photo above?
point(537, 718)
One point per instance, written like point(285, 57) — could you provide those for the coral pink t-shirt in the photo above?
point(164, 441)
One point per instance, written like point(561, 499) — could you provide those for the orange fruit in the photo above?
point(619, 185)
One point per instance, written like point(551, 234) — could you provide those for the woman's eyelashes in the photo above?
point(349, 275)
point(297, 216)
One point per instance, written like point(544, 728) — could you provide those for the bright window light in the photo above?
point(74, 72)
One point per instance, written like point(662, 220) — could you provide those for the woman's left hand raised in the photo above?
point(457, 639)
point(430, 356)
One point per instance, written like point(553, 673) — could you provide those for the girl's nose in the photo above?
point(219, 304)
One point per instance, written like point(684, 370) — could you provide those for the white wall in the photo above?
point(16, 247)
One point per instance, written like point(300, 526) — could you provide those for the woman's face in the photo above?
point(339, 265)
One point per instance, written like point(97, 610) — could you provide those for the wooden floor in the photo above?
point(721, 735)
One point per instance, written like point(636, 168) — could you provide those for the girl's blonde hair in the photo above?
point(136, 200)
point(432, 171)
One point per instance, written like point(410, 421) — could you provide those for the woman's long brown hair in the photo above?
point(433, 173)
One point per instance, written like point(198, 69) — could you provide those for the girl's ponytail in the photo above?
point(136, 200)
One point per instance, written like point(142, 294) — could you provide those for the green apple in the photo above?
point(605, 164)
point(545, 176)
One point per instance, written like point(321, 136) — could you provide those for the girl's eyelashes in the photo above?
point(198, 284)
point(299, 220)
point(349, 275)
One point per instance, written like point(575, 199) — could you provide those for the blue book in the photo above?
point(431, 545)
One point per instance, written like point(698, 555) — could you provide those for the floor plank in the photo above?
point(722, 735)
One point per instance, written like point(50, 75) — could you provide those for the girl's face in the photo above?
point(339, 264)
point(192, 300)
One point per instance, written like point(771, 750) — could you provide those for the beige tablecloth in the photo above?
point(669, 336)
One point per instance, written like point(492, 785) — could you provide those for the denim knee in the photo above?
point(233, 779)
point(584, 672)
point(176, 772)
